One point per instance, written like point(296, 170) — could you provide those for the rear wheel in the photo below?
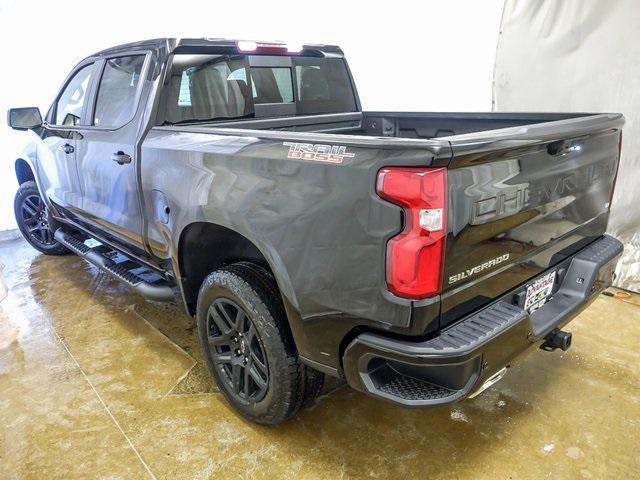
point(31, 217)
point(237, 351)
point(248, 347)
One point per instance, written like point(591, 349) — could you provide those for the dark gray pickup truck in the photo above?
point(416, 255)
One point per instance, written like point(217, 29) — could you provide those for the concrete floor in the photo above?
point(96, 383)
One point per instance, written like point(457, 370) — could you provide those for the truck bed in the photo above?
point(416, 125)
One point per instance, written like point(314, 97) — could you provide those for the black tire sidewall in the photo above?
point(281, 398)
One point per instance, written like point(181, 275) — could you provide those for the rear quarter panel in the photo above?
point(320, 225)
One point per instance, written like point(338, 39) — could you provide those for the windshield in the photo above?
point(216, 87)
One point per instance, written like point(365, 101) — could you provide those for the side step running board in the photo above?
point(152, 291)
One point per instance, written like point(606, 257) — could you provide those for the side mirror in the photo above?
point(24, 118)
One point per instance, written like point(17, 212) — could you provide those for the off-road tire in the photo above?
point(42, 238)
point(290, 383)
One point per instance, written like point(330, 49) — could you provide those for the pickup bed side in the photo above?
point(321, 227)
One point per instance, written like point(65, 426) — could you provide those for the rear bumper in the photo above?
point(458, 362)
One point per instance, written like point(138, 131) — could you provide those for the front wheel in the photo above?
point(31, 216)
point(248, 347)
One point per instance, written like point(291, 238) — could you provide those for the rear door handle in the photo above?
point(121, 158)
point(66, 148)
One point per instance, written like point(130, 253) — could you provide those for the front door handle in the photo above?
point(66, 148)
point(121, 158)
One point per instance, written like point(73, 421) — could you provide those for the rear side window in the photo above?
point(71, 101)
point(117, 92)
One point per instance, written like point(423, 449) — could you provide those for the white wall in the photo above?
point(429, 55)
point(582, 57)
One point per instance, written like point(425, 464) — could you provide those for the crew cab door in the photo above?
point(106, 153)
point(57, 166)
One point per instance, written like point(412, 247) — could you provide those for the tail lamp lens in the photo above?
point(415, 257)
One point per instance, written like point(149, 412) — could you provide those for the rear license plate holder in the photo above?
point(538, 292)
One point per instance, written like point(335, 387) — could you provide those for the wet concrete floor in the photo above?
point(97, 383)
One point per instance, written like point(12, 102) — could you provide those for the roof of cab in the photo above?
point(215, 45)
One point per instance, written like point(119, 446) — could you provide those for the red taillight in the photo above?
point(415, 257)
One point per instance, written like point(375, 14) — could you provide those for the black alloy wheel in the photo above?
point(238, 353)
point(34, 218)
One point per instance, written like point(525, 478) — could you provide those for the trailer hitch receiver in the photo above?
point(557, 339)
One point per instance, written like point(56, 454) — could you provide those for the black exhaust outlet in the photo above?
point(557, 339)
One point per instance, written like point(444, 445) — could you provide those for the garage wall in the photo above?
point(580, 55)
point(430, 55)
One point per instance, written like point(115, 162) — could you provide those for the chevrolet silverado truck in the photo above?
point(414, 255)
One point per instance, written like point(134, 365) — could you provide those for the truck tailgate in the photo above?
point(521, 200)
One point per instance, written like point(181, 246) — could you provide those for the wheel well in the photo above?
point(205, 247)
point(23, 171)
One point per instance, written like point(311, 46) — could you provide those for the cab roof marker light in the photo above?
point(247, 46)
point(294, 48)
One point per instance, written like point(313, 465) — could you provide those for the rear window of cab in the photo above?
point(215, 87)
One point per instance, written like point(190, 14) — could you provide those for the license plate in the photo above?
point(538, 292)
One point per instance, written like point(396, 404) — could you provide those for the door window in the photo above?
point(117, 93)
point(71, 101)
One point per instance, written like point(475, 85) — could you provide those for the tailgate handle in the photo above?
point(563, 147)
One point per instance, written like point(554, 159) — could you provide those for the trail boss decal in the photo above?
point(318, 152)
point(478, 268)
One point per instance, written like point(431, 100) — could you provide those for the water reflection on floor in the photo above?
point(96, 382)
